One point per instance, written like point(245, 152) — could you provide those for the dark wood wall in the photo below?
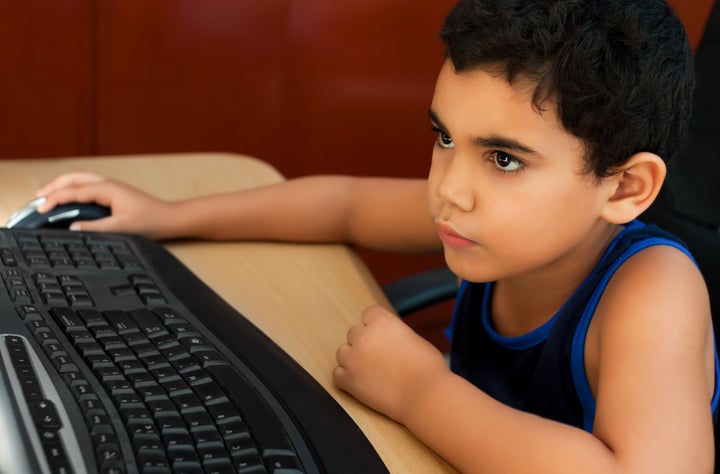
point(46, 80)
point(694, 15)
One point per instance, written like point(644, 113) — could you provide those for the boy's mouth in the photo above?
point(452, 238)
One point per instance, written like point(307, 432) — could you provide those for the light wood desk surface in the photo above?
point(304, 297)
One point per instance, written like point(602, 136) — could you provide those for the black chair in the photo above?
point(689, 203)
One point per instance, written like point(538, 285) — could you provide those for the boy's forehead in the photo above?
point(477, 82)
point(482, 101)
point(490, 92)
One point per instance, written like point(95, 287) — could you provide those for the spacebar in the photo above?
point(267, 430)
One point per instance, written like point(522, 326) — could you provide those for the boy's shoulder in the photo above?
point(657, 276)
point(657, 297)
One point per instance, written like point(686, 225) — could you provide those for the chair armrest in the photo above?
point(420, 290)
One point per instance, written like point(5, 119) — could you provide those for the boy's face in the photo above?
point(506, 185)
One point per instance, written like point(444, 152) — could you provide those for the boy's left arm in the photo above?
point(647, 362)
point(655, 363)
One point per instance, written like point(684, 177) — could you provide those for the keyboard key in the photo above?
point(212, 451)
point(183, 454)
point(188, 402)
point(133, 414)
point(108, 453)
point(140, 377)
point(209, 358)
point(122, 322)
point(150, 391)
point(67, 319)
point(195, 343)
point(56, 457)
point(176, 351)
point(209, 435)
point(28, 311)
point(89, 348)
point(199, 421)
point(104, 438)
point(98, 424)
point(210, 393)
point(8, 257)
point(175, 387)
point(147, 322)
point(222, 411)
point(92, 407)
point(234, 429)
point(131, 366)
point(170, 421)
point(152, 458)
point(45, 414)
point(164, 374)
point(177, 438)
point(127, 398)
point(218, 466)
point(144, 441)
point(64, 363)
point(184, 467)
point(248, 460)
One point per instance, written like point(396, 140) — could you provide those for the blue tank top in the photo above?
point(543, 371)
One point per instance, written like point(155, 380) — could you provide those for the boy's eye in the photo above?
point(444, 140)
point(506, 162)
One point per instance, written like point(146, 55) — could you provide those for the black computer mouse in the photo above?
point(60, 217)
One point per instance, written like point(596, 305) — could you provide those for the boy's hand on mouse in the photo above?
point(132, 210)
point(384, 363)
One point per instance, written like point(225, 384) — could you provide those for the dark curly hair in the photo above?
point(620, 71)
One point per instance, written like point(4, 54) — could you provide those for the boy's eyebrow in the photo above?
point(435, 120)
point(504, 143)
point(489, 142)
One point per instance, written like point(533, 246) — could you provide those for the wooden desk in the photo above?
point(304, 297)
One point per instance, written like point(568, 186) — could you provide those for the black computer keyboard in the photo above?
point(115, 358)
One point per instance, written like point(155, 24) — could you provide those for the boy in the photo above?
point(582, 339)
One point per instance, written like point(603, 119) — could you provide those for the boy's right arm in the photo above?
point(382, 213)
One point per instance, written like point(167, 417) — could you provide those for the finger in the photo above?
point(106, 224)
point(89, 192)
point(68, 179)
point(354, 333)
point(342, 353)
point(339, 376)
point(371, 314)
point(343, 357)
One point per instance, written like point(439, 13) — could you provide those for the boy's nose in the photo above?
point(456, 186)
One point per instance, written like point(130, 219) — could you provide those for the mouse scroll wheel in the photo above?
point(72, 213)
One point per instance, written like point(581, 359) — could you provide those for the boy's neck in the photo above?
point(521, 304)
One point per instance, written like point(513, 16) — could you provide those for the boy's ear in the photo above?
point(634, 187)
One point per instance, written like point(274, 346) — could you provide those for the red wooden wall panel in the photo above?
point(46, 85)
point(694, 15)
point(311, 86)
point(182, 75)
point(359, 80)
